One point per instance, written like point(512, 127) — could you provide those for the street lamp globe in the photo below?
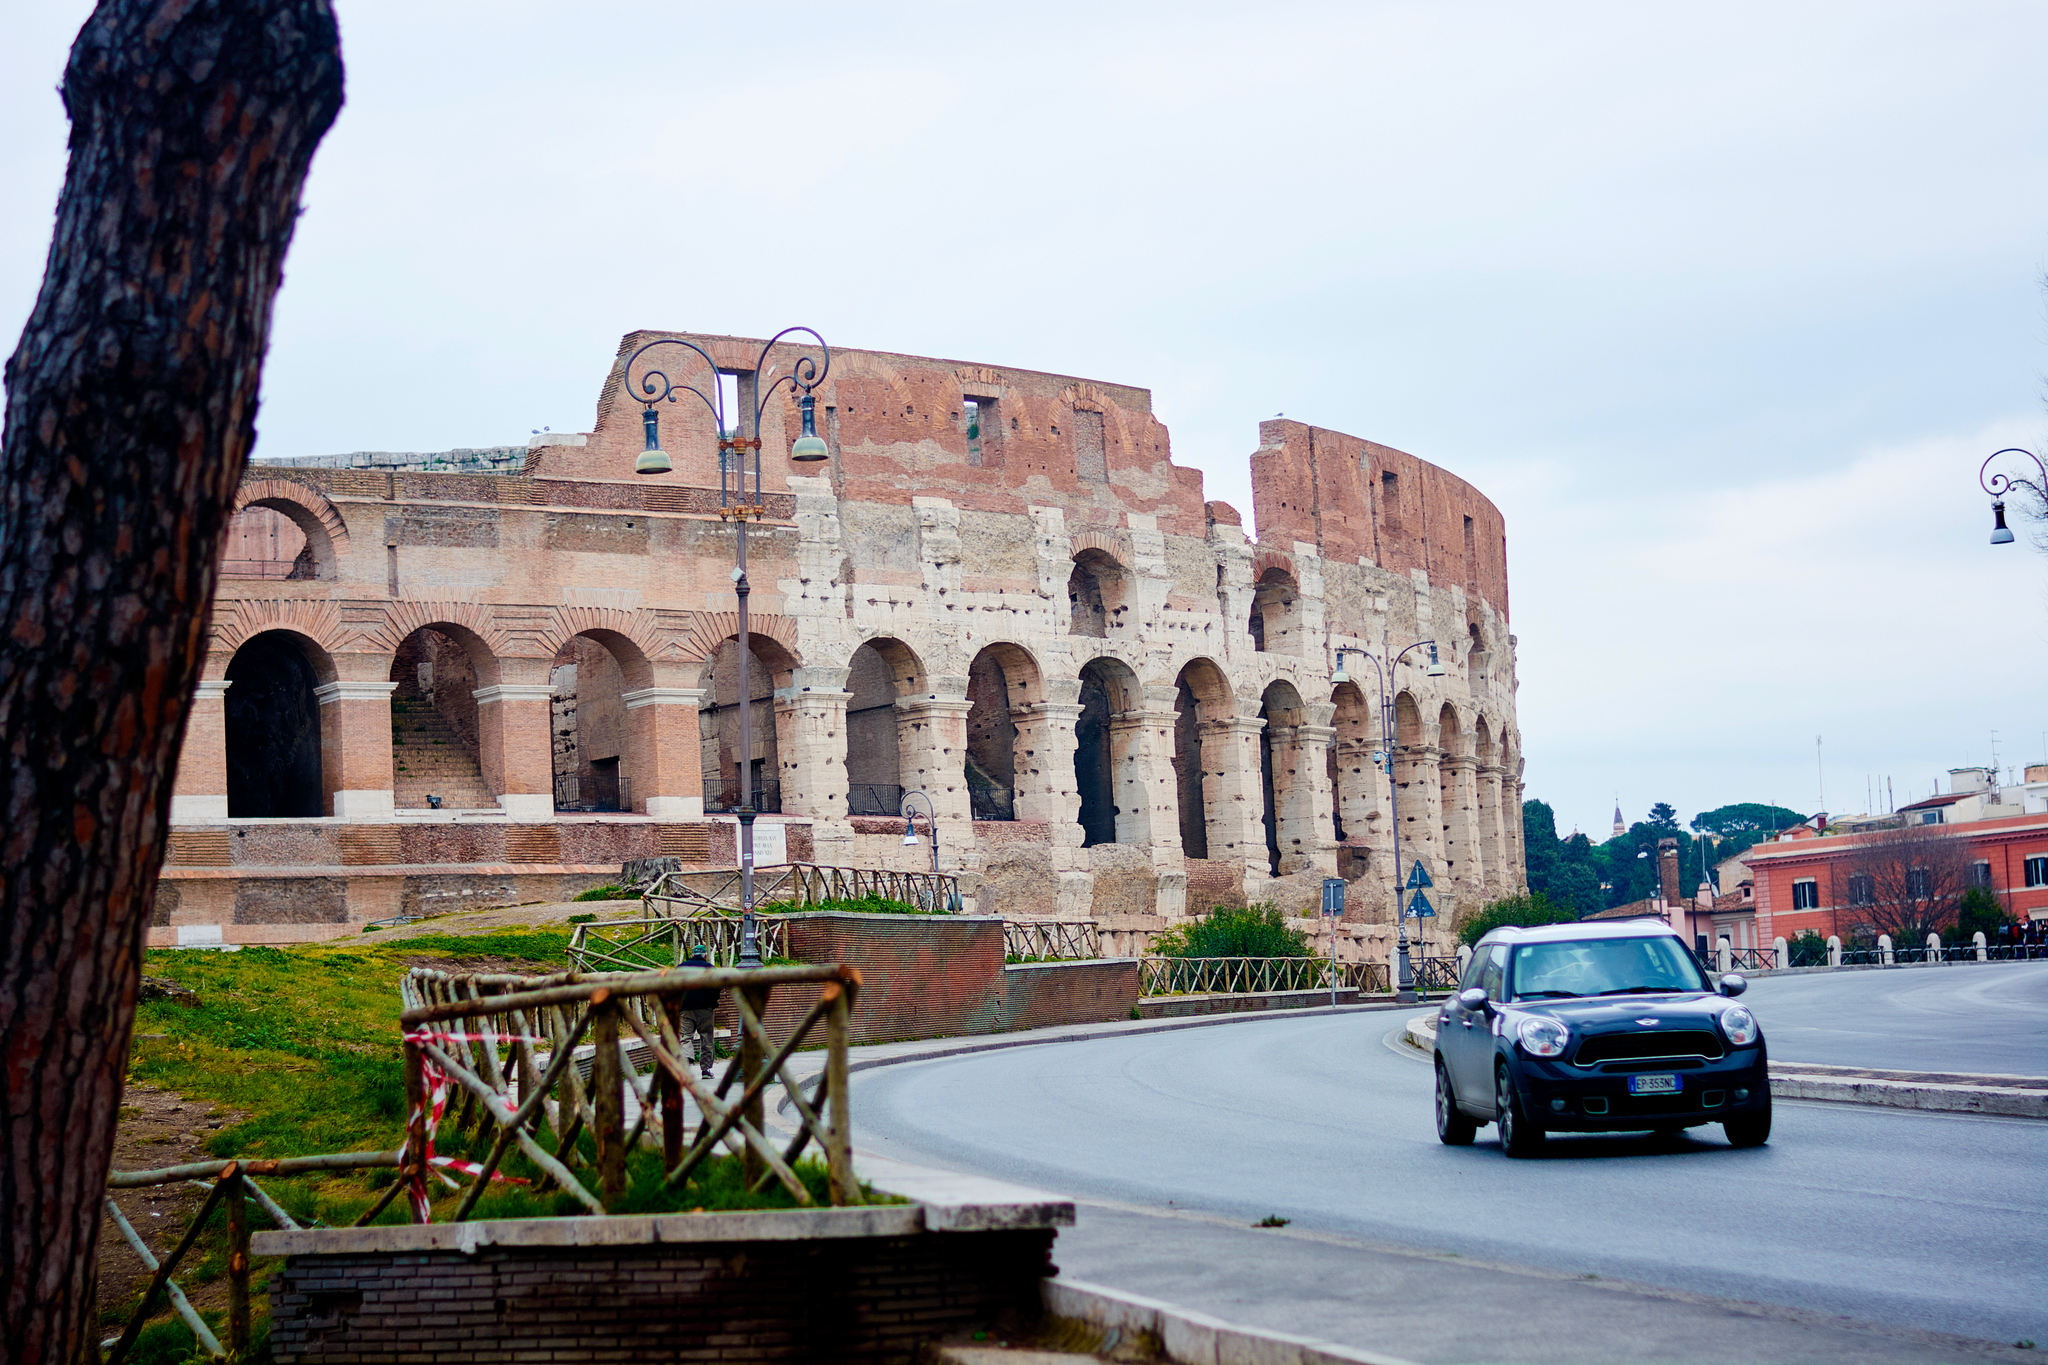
point(653, 460)
point(809, 448)
point(2000, 533)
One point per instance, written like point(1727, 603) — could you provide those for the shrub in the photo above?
point(870, 904)
point(607, 893)
point(1807, 950)
point(1979, 913)
point(1251, 931)
point(1522, 911)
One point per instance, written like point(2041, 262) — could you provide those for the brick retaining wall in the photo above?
point(1042, 994)
point(858, 1299)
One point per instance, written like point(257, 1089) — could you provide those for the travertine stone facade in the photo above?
point(1000, 591)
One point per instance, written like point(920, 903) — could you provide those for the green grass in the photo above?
point(870, 904)
point(606, 892)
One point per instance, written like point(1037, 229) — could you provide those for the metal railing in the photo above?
point(1254, 975)
point(569, 795)
point(1050, 940)
point(797, 885)
point(497, 1052)
point(1436, 973)
point(991, 805)
point(767, 799)
point(874, 798)
point(1753, 959)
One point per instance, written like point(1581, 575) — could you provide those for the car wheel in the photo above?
point(1751, 1130)
point(1519, 1135)
point(1454, 1128)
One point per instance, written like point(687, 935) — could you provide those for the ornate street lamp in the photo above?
point(1998, 485)
point(735, 504)
point(908, 810)
point(1405, 982)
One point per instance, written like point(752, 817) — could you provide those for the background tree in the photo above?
point(1744, 825)
point(1532, 909)
point(1978, 912)
point(1905, 882)
point(131, 407)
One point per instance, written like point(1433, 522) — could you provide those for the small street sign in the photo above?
point(1333, 895)
point(1418, 877)
point(1420, 908)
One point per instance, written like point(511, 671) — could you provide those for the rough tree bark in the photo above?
point(131, 406)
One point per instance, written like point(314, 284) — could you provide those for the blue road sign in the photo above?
point(1333, 895)
point(1418, 877)
point(1420, 908)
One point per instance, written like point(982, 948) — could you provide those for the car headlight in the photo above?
point(1740, 1025)
point(1543, 1037)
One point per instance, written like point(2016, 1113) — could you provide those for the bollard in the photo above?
point(1778, 953)
point(1884, 949)
point(1983, 953)
point(1834, 950)
point(1724, 955)
point(1933, 949)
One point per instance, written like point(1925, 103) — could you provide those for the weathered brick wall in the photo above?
point(871, 1299)
point(1042, 994)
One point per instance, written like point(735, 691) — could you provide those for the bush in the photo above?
point(1253, 931)
point(1807, 950)
point(1521, 911)
point(870, 904)
point(607, 893)
point(1979, 913)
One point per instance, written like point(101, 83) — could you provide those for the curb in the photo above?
point(1191, 1338)
point(1898, 1090)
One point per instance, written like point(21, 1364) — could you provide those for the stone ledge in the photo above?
point(771, 1225)
point(1189, 1338)
point(1186, 1006)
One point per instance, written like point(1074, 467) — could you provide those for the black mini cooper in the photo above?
point(1596, 1028)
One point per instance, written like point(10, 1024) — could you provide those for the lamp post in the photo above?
point(1405, 982)
point(739, 503)
point(1999, 484)
point(931, 820)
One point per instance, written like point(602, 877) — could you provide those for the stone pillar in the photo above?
point(1045, 790)
point(1361, 803)
point(931, 733)
point(1511, 820)
point(810, 749)
point(512, 721)
point(665, 751)
point(1313, 740)
point(1230, 792)
point(1151, 787)
point(1492, 851)
point(201, 790)
point(1461, 825)
point(1417, 777)
point(355, 749)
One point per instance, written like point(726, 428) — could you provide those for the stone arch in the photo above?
point(1002, 677)
point(437, 668)
point(238, 620)
point(881, 672)
point(1354, 776)
point(1276, 619)
point(1097, 594)
point(771, 665)
point(318, 533)
point(633, 638)
point(591, 729)
point(708, 630)
point(1456, 796)
point(1285, 789)
point(1105, 752)
point(280, 754)
point(1201, 750)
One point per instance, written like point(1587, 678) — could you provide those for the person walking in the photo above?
point(700, 1015)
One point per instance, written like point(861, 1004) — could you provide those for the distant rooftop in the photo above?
point(467, 460)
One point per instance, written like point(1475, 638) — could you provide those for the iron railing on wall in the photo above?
point(767, 799)
point(798, 885)
point(1254, 975)
point(1051, 940)
point(874, 798)
point(570, 795)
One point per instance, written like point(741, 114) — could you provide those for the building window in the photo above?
point(1862, 890)
point(1090, 460)
point(1980, 874)
point(2037, 872)
point(982, 427)
point(1919, 883)
point(1806, 895)
point(1930, 817)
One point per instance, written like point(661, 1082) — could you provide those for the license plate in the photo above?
point(1653, 1085)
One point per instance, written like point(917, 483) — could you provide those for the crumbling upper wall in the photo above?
point(898, 427)
point(1359, 501)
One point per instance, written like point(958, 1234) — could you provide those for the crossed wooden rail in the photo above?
point(1048, 940)
point(678, 894)
point(532, 1086)
point(641, 945)
point(1254, 975)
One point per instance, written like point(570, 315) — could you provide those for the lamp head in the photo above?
point(2000, 535)
point(1436, 665)
point(809, 448)
point(653, 460)
point(1340, 677)
point(910, 839)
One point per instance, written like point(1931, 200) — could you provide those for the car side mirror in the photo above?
point(1473, 998)
point(1733, 984)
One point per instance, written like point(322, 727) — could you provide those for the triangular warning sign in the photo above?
point(1420, 908)
point(1418, 877)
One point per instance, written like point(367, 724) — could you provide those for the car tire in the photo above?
point(1519, 1135)
point(1751, 1130)
point(1454, 1127)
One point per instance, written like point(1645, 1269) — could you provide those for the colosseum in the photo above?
point(491, 677)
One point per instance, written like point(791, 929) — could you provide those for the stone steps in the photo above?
point(427, 756)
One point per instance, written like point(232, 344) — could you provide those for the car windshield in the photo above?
point(1604, 966)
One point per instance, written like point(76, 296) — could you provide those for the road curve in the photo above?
point(1983, 1017)
point(1928, 1223)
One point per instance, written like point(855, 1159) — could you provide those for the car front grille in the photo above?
point(1616, 1047)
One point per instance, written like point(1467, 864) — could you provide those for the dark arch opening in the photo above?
point(273, 731)
point(1000, 677)
point(1093, 768)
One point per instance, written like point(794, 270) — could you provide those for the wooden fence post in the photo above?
point(671, 1088)
point(752, 1167)
point(839, 1106)
point(607, 1100)
point(416, 1116)
point(238, 1265)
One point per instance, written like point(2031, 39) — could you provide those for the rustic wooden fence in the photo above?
point(1255, 975)
point(642, 945)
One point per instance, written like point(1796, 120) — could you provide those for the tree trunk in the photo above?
point(131, 406)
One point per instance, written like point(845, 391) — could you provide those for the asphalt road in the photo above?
point(1991, 1017)
point(1863, 1232)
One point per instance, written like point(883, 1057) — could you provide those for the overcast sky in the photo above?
point(1722, 304)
